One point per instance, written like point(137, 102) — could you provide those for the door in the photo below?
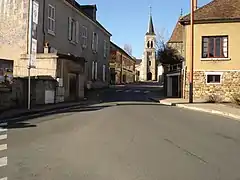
point(72, 80)
point(175, 85)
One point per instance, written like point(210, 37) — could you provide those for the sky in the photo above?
point(127, 20)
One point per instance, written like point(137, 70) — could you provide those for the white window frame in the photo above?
point(84, 36)
point(51, 19)
point(73, 30)
point(216, 74)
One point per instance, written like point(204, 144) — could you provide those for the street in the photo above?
point(125, 136)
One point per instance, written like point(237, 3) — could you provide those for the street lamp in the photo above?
point(191, 51)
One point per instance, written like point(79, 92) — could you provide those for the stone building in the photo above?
point(148, 66)
point(216, 56)
point(72, 47)
point(122, 66)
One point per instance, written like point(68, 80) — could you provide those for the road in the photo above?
point(125, 137)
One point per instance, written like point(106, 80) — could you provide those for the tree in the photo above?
point(168, 55)
point(128, 48)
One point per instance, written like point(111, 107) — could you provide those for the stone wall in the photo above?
point(230, 84)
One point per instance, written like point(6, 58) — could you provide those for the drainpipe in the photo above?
point(43, 26)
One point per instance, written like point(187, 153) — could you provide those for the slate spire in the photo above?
point(150, 25)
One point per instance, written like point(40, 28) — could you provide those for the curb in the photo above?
point(37, 112)
point(210, 111)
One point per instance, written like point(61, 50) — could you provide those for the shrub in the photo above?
point(236, 98)
point(213, 98)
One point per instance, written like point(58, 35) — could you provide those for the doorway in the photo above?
point(149, 76)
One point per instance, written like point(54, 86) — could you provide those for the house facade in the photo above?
point(72, 47)
point(122, 66)
point(216, 52)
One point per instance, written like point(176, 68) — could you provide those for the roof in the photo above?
point(138, 61)
point(150, 27)
point(121, 50)
point(177, 35)
point(216, 10)
point(76, 5)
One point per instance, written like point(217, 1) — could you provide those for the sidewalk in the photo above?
point(91, 98)
point(200, 105)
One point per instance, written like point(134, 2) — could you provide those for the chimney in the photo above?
point(195, 5)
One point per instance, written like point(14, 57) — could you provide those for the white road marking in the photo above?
point(3, 130)
point(5, 178)
point(146, 92)
point(128, 90)
point(3, 161)
point(137, 91)
point(4, 136)
point(3, 124)
point(3, 147)
point(118, 90)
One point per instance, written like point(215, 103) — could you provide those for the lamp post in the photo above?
point(191, 51)
point(30, 17)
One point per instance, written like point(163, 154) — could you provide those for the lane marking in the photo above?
point(4, 124)
point(2, 137)
point(146, 92)
point(118, 90)
point(5, 178)
point(137, 91)
point(3, 147)
point(128, 90)
point(3, 161)
point(3, 130)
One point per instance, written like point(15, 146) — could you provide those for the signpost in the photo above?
point(32, 42)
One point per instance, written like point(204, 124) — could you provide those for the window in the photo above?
point(149, 63)
point(215, 47)
point(51, 19)
point(213, 78)
point(95, 42)
point(84, 36)
point(104, 73)
point(73, 30)
point(105, 48)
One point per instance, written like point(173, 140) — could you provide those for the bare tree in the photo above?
point(128, 48)
point(161, 38)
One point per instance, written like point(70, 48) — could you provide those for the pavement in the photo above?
point(123, 136)
point(223, 109)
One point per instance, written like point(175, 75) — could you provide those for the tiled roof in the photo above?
point(138, 61)
point(177, 35)
point(217, 10)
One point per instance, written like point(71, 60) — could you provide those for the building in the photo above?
point(216, 56)
point(72, 47)
point(148, 68)
point(138, 69)
point(122, 66)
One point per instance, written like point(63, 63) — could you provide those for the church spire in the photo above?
point(150, 26)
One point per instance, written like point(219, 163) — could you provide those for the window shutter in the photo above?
point(93, 69)
point(97, 43)
point(69, 28)
point(104, 73)
point(93, 41)
point(77, 32)
point(96, 70)
point(225, 47)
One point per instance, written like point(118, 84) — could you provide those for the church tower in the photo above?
point(148, 67)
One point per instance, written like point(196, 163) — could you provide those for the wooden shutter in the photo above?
point(69, 28)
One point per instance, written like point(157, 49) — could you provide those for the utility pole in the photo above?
point(30, 17)
point(191, 52)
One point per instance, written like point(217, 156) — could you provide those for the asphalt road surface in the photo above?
point(124, 137)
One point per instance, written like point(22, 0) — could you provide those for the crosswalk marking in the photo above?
point(137, 91)
point(5, 178)
point(3, 161)
point(3, 130)
point(3, 147)
point(4, 136)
